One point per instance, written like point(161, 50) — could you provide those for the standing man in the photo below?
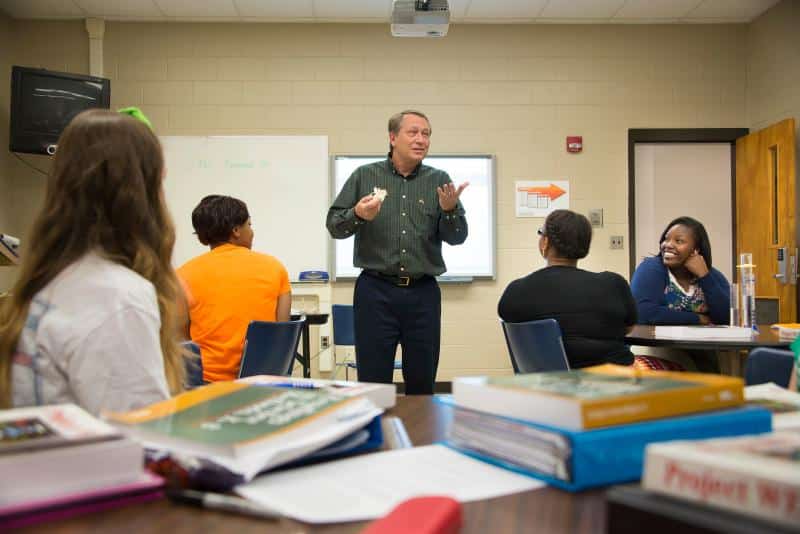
point(400, 211)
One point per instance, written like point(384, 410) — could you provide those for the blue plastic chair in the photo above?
point(535, 346)
point(344, 334)
point(270, 348)
point(769, 365)
point(193, 365)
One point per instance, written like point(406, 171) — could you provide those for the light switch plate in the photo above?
point(596, 217)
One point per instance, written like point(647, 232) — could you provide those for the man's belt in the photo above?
point(394, 279)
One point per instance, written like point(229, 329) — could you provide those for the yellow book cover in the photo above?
point(601, 396)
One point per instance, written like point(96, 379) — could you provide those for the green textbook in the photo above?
point(247, 428)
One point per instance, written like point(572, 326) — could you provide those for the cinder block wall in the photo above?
point(515, 91)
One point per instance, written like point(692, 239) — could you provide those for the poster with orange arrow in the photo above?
point(537, 198)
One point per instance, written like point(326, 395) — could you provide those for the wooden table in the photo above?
point(546, 510)
point(646, 335)
point(766, 337)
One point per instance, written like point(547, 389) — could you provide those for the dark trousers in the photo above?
point(385, 315)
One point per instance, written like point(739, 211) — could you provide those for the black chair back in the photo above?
point(343, 329)
point(270, 347)
point(193, 364)
point(535, 346)
point(769, 365)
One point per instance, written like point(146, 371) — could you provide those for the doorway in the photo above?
point(662, 165)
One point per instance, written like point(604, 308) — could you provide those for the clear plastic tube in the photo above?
point(747, 284)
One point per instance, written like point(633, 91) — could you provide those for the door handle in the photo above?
point(783, 264)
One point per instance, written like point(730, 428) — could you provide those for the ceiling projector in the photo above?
point(420, 18)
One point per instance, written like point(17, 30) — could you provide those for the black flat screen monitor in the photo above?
point(43, 102)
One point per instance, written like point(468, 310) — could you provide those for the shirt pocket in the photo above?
point(429, 216)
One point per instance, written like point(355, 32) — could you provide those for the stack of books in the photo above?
point(586, 428)
point(248, 428)
point(58, 461)
point(787, 331)
point(784, 404)
point(757, 475)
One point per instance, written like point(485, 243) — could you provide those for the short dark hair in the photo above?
point(216, 216)
point(701, 241)
point(569, 233)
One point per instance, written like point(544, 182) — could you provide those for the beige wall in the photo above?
point(6, 51)
point(773, 66)
point(60, 46)
point(515, 91)
point(773, 71)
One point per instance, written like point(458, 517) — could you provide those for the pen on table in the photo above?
point(289, 385)
point(225, 503)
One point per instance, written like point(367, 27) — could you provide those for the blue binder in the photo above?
point(615, 455)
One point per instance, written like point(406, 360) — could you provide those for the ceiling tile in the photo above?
point(656, 9)
point(353, 9)
point(197, 8)
point(462, 11)
point(50, 9)
point(504, 9)
point(275, 9)
point(120, 8)
point(581, 9)
point(744, 10)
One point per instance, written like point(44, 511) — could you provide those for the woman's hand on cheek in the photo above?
point(696, 265)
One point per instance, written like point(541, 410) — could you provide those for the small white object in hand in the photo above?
point(380, 193)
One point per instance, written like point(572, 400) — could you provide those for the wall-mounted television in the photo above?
point(43, 102)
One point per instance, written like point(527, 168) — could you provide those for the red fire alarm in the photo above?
point(574, 143)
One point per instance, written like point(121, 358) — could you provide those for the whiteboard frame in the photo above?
point(445, 277)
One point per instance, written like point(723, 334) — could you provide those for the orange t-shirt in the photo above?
point(227, 288)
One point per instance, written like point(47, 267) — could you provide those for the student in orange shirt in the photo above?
point(229, 286)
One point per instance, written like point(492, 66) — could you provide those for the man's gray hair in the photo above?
point(397, 118)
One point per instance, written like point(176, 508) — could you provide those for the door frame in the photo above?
point(677, 135)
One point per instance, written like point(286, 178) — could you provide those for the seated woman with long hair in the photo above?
point(594, 310)
point(679, 286)
point(91, 319)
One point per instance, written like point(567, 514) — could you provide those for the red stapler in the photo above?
point(420, 515)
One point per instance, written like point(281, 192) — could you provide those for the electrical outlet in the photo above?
point(616, 242)
point(324, 342)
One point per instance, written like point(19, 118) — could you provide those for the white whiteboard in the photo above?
point(282, 179)
point(476, 256)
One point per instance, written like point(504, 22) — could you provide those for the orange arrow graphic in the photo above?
point(552, 191)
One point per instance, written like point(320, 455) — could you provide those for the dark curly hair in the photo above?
point(215, 218)
point(701, 241)
point(569, 233)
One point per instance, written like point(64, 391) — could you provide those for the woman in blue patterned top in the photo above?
point(679, 286)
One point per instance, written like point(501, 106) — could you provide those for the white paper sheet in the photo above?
point(369, 486)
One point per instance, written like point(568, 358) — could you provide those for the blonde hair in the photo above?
point(104, 194)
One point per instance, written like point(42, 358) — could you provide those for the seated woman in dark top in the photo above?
point(679, 286)
point(594, 310)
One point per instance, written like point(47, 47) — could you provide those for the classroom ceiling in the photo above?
point(462, 11)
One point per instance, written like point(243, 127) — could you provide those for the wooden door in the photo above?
point(765, 213)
